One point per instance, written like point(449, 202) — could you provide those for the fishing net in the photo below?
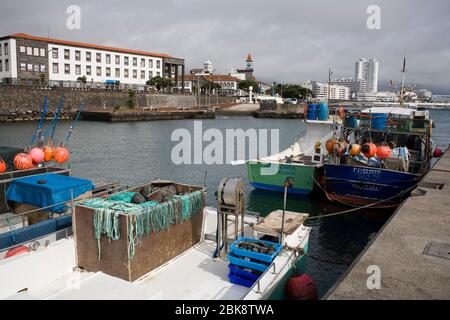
point(143, 218)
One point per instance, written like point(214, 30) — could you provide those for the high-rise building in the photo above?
point(367, 69)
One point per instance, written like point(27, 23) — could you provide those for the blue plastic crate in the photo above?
point(240, 281)
point(242, 262)
point(255, 255)
point(239, 272)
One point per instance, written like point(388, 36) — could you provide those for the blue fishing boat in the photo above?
point(380, 161)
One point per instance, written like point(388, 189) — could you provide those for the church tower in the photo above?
point(249, 67)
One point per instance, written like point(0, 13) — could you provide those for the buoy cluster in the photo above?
point(369, 150)
point(37, 155)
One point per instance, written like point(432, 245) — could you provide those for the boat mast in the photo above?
point(403, 80)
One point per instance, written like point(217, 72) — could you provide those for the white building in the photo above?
point(228, 84)
point(29, 58)
point(320, 90)
point(367, 69)
point(424, 95)
point(355, 86)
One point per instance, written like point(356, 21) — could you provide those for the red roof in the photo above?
point(88, 45)
point(210, 77)
point(249, 58)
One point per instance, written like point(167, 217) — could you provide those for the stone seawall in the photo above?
point(23, 103)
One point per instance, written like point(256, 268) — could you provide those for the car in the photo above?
point(291, 101)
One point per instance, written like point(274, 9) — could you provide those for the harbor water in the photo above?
point(134, 153)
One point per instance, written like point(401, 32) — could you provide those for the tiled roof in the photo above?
point(249, 58)
point(210, 77)
point(87, 45)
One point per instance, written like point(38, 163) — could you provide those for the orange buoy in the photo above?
point(61, 155)
point(383, 152)
point(48, 153)
point(329, 145)
point(354, 149)
point(22, 161)
point(369, 149)
point(339, 148)
point(2, 165)
point(341, 112)
point(301, 287)
point(15, 251)
point(37, 155)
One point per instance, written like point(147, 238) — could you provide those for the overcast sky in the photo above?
point(290, 40)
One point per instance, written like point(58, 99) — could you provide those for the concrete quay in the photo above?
point(412, 250)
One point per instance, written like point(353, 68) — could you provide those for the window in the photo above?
point(77, 69)
point(99, 57)
point(108, 72)
point(158, 74)
point(108, 58)
point(36, 67)
point(126, 73)
point(135, 62)
point(117, 59)
point(142, 63)
point(42, 52)
point(23, 49)
point(6, 51)
point(36, 52)
point(99, 71)
point(117, 73)
point(88, 56)
point(142, 74)
point(150, 74)
point(29, 67)
point(158, 64)
point(43, 68)
point(67, 69)
point(150, 63)
point(29, 51)
point(1, 66)
point(134, 74)
point(88, 70)
point(77, 55)
point(0, 49)
point(55, 68)
point(6, 65)
point(66, 54)
point(55, 53)
point(126, 61)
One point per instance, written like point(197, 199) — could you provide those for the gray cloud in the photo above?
point(290, 40)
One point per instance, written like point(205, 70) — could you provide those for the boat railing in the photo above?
point(256, 287)
point(70, 205)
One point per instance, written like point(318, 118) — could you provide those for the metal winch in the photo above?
point(230, 211)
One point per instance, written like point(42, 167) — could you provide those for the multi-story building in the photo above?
point(355, 86)
point(424, 95)
point(320, 90)
point(228, 84)
point(28, 58)
point(367, 69)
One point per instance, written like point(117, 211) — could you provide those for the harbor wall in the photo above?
point(24, 103)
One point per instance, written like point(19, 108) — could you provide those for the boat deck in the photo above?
point(176, 280)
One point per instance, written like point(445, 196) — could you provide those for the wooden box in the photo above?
point(153, 250)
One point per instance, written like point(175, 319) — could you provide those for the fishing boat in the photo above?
point(388, 150)
point(170, 246)
point(302, 161)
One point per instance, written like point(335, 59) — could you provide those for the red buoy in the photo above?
point(369, 150)
point(301, 287)
point(2, 165)
point(383, 152)
point(15, 251)
point(437, 152)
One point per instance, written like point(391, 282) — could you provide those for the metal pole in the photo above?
point(287, 184)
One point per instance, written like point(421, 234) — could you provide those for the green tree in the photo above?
point(82, 80)
point(131, 100)
point(246, 84)
point(160, 82)
point(211, 85)
point(293, 91)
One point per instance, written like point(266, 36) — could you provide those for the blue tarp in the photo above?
point(57, 189)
